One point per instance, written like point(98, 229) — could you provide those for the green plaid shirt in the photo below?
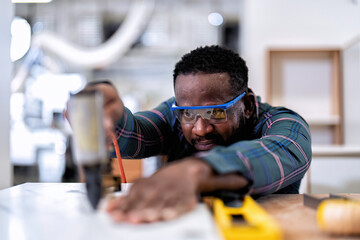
point(275, 160)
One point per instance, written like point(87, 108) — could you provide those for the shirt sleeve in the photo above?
point(279, 157)
point(145, 133)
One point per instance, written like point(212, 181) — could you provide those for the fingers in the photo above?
point(138, 206)
point(146, 214)
point(109, 132)
point(115, 209)
point(113, 106)
point(166, 195)
point(144, 206)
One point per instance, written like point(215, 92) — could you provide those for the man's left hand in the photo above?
point(170, 192)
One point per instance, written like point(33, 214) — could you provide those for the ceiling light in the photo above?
point(31, 1)
point(20, 38)
point(215, 19)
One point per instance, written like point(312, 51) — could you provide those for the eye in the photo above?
point(219, 113)
point(187, 114)
point(208, 112)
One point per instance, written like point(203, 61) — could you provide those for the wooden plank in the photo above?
point(132, 169)
point(297, 221)
point(337, 98)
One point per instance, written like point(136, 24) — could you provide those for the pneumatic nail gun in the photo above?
point(85, 111)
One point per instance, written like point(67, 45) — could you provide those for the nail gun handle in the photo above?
point(86, 118)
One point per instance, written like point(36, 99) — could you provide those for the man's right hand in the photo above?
point(113, 107)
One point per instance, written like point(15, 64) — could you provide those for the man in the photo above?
point(218, 137)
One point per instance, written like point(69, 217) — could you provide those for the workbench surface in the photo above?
point(296, 220)
point(52, 211)
point(37, 211)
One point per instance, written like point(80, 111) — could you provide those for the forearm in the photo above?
point(145, 133)
point(206, 180)
point(278, 159)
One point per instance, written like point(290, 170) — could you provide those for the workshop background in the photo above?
point(301, 54)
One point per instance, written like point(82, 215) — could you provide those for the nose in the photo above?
point(202, 127)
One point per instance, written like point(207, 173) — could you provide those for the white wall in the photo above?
point(282, 23)
point(351, 73)
point(305, 24)
point(310, 24)
point(335, 175)
point(5, 76)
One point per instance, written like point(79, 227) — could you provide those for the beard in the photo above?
point(211, 137)
point(246, 127)
point(245, 131)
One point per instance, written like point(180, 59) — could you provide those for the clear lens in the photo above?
point(214, 115)
point(219, 113)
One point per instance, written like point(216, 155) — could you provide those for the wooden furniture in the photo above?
point(132, 168)
point(309, 82)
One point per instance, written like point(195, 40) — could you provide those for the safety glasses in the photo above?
point(213, 113)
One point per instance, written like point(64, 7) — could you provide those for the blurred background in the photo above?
point(301, 54)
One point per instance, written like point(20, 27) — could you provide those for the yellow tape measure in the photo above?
point(248, 221)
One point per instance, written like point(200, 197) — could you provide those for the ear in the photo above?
point(249, 104)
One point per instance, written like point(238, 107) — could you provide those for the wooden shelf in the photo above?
point(336, 151)
point(323, 120)
point(309, 82)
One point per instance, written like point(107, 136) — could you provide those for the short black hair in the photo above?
point(215, 59)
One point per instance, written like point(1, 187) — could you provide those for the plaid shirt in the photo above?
point(274, 161)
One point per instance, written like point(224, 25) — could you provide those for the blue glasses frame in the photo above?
point(208, 112)
point(222, 106)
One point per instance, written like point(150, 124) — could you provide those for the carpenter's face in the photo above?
point(202, 89)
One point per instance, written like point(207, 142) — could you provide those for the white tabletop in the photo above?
point(61, 211)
